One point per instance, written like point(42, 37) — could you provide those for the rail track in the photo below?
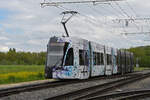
point(33, 87)
point(91, 92)
point(138, 95)
point(126, 95)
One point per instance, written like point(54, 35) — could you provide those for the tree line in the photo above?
point(32, 58)
point(22, 58)
point(141, 55)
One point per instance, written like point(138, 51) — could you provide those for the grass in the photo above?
point(140, 68)
point(20, 73)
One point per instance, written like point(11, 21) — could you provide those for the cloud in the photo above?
point(4, 48)
point(28, 27)
point(3, 38)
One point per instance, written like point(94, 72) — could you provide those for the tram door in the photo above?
point(114, 61)
point(84, 64)
point(109, 66)
point(122, 62)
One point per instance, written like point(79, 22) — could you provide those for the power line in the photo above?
point(127, 16)
point(135, 19)
point(127, 20)
point(97, 11)
point(59, 4)
point(122, 13)
point(131, 8)
point(116, 10)
point(122, 10)
point(136, 33)
point(73, 2)
point(91, 20)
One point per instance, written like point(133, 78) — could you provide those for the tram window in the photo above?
point(123, 59)
point(94, 58)
point(86, 58)
point(122, 62)
point(131, 60)
point(102, 59)
point(128, 60)
point(117, 59)
point(110, 59)
point(81, 57)
point(98, 59)
point(107, 59)
point(69, 57)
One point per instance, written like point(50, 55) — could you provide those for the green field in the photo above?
point(141, 68)
point(20, 73)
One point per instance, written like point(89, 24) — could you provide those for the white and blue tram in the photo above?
point(75, 58)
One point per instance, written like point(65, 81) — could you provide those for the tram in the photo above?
point(76, 58)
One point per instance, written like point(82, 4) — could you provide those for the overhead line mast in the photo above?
point(74, 2)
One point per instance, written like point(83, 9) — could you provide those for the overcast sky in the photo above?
point(26, 26)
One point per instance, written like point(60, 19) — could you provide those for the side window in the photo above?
point(110, 59)
point(83, 57)
point(122, 59)
point(86, 58)
point(94, 58)
point(117, 59)
point(107, 59)
point(98, 59)
point(102, 59)
point(128, 60)
point(69, 57)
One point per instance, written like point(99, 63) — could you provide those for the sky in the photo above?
point(26, 26)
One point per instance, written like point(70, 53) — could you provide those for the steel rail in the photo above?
point(142, 94)
point(116, 86)
point(96, 90)
point(122, 95)
point(15, 90)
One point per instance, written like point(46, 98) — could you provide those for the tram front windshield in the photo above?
point(55, 54)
